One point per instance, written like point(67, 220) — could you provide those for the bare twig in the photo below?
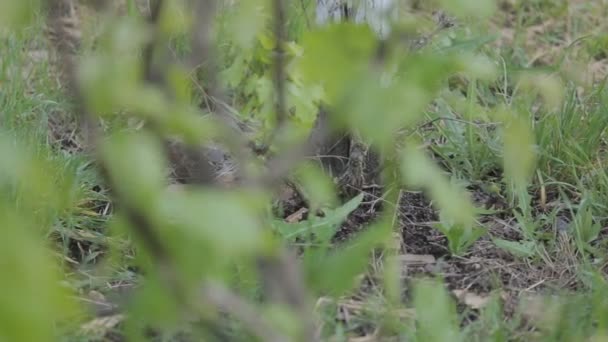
point(66, 39)
point(280, 36)
point(233, 304)
point(283, 283)
point(304, 9)
point(148, 51)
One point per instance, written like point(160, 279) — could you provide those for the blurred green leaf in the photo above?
point(179, 80)
point(37, 185)
point(108, 83)
point(465, 8)
point(284, 318)
point(16, 14)
point(316, 186)
point(227, 223)
point(247, 21)
point(436, 316)
point(110, 80)
point(378, 112)
point(418, 170)
point(550, 87)
point(121, 37)
point(32, 300)
point(152, 305)
point(136, 167)
point(175, 18)
point(587, 229)
point(519, 156)
point(335, 273)
point(477, 66)
point(335, 56)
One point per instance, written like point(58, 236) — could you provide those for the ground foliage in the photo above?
point(160, 180)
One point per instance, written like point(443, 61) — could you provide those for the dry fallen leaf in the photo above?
point(96, 296)
point(297, 216)
point(417, 259)
point(472, 300)
point(102, 325)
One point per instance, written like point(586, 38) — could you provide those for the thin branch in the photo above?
point(148, 51)
point(63, 44)
point(283, 283)
point(279, 64)
point(304, 8)
point(233, 304)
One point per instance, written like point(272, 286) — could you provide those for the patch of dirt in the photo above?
point(482, 271)
point(484, 267)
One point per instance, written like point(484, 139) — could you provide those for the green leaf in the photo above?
point(436, 316)
point(152, 304)
point(336, 55)
point(227, 224)
point(470, 236)
point(175, 18)
point(179, 81)
point(110, 80)
point(454, 202)
point(248, 21)
point(284, 318)
point(589, 229)
point(136, 167)
point(334, 274)
point(465, 8)
point(32, 300)
point(460, 238)
point(236, 72)
point(304, 100)
point(522, 249)
point(38, 185)
point(378, 112)
point(519, 150)
point(16, 14)
point(323, 228)
point(316, 186)
point(477, 66)
point(334, 218)
point(109, 84)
